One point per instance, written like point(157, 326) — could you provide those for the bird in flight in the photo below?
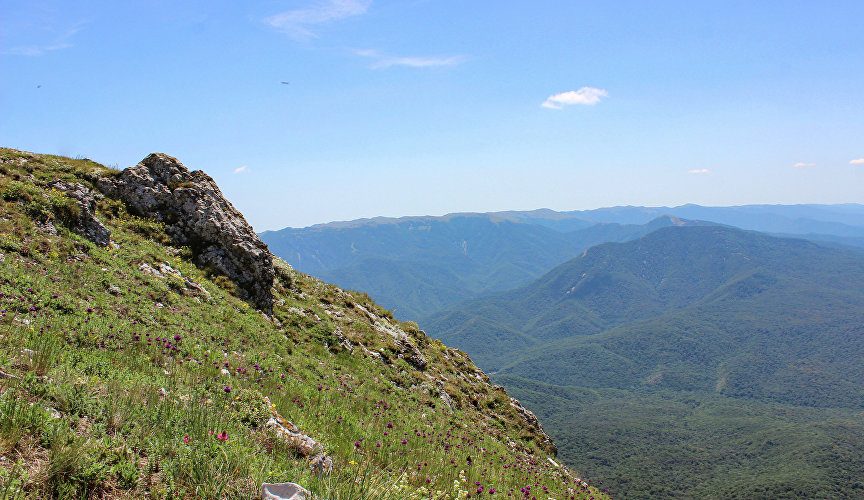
point(286, 83)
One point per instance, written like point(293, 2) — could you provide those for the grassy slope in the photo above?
point(96, 404)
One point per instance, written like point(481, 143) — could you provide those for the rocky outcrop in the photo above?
point(192, 288)
point(410, 352)
point(531, 421)
point(407, 350)
point(84, 222)
point(197, 215)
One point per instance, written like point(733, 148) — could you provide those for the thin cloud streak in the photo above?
point(60, 42)
point(802, 164)
point(699, 171)
point(239, 170)
point(297, 22)
point(35, 50)
point(586, 95)
point(385, 61)
point(859, 161)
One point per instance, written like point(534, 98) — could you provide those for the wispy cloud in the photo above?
point(60, 41)
point(35, 50)
point(699, 171)
point(385, 61)
point(298, 22)
point(859, 161)
point(802, 164)
point(239, 170)
point(585, 95)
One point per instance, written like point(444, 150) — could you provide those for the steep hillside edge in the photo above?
point(137, 367)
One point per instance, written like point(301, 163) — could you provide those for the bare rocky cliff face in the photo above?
point(197, 215)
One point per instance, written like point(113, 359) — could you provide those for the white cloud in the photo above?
point(385, 61)
point(297, 22)
point(859, 161)
point(240, 169)
point(699, 171)
point(802, 164)
point(585, 95)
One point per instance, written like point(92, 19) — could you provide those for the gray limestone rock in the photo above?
point(343, 340)
point(85, 224)
point(46, 227)
point(148, 269)
point(197, 215)
point(284, 491)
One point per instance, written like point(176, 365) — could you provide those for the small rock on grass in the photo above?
point(284, 491)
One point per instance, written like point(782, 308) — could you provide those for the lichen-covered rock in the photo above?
point(85, 222)
point(197, 215)
point(321, 464)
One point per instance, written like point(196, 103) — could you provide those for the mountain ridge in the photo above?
point(409, 264)
point(846, 213)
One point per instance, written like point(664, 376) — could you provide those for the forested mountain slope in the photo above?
point(712, 323)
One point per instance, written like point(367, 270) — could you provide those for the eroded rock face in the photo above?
point(197, 215)
point(85, 224)
point(531, 421)
point(411, 353)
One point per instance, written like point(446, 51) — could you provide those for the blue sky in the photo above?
point(428, 107)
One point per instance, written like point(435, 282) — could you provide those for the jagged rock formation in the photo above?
point(197, 215)
point(85, 222)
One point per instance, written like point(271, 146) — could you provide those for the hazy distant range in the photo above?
point(418, 266)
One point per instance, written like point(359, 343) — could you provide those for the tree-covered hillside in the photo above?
point(752, 324)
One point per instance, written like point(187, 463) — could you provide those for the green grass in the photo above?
point(92, 405)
